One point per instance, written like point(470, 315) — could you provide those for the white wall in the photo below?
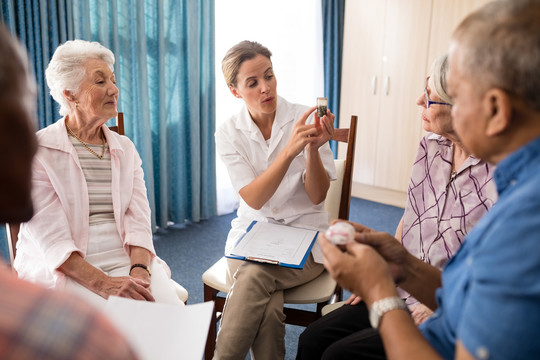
point(292, 30)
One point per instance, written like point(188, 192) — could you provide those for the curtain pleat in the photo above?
point(164, 68)
point(333, 22)
point(40, 26)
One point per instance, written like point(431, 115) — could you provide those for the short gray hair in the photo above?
point(501, 48)
point(66, 69)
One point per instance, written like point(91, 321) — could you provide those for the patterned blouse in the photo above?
point(442, 207)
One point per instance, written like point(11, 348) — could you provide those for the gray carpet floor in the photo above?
point(191, 248)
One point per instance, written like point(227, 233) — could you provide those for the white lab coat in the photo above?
point(246, 155)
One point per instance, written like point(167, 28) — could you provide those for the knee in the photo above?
point(332, 353)
point(254, 274)
point(308, 342)
point(335, 351)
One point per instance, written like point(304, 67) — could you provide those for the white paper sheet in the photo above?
point(281, 243)
point(162, 331)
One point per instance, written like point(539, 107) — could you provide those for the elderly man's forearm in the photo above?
point(402, 339)
point(421, 281)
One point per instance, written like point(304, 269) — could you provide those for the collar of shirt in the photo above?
point(245, 122)
point(514, 165)
point(441, 140)
point(60, 138)
point(282, 117)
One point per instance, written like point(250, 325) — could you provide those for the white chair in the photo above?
point(322, 290)
point(331, 307)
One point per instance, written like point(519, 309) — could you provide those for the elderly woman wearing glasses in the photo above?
point(449, 191)
point(91, 231)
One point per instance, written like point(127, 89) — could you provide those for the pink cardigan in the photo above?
point(60, 224)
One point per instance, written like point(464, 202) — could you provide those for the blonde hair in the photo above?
point(66, 69)
point(244, 50)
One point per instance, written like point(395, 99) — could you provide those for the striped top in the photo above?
point(98, 179)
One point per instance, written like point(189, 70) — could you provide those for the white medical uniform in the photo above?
point(247, 154)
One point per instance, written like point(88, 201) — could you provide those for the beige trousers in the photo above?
point(253, 316)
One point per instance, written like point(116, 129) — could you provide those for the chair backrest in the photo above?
point(119, 127)
point(333, 196)
point(338, 197)
point(12, 229)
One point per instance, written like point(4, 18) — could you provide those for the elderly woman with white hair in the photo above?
point(91, 231)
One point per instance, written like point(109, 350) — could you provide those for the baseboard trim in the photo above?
point(378, 194)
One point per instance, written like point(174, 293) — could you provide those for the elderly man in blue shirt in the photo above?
point(487, 299)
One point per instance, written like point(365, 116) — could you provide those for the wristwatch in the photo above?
point(381, 307)
point(145, 267)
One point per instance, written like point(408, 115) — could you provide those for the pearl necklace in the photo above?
point(85, 145)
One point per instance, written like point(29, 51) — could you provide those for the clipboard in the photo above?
point(276, 244)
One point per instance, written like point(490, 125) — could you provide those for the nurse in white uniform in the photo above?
point(281, 165)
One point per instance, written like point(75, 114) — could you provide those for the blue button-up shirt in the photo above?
point(490, 298)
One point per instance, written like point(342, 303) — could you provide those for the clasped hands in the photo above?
point(370, 266)
point(135, 286)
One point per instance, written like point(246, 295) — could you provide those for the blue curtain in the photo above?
point(164, 68)
point(333, 19)
point(41, 27)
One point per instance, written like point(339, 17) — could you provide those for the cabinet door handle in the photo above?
point(386, 85)
point(374, 84)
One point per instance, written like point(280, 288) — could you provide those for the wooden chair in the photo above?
point(322, 290)
point(12, 229)
point(119, 127)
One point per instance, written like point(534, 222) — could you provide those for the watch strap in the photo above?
point(145, 267)
point(381, 307)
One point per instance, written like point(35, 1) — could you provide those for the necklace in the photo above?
point(85, 145)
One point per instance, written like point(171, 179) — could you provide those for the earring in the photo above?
point(77, 106)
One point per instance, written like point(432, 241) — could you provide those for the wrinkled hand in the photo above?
point(353, 300)
point(126, 286)
point(359, 228)
point(141, 274)
point(386, 246)
point(360, 270)
point(420, 313)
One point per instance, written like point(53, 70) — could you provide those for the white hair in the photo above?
point(66, 69)
point(439, 70)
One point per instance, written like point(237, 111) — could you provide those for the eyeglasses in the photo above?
point(429, 102)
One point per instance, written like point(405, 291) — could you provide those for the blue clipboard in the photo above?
point(263, 260)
